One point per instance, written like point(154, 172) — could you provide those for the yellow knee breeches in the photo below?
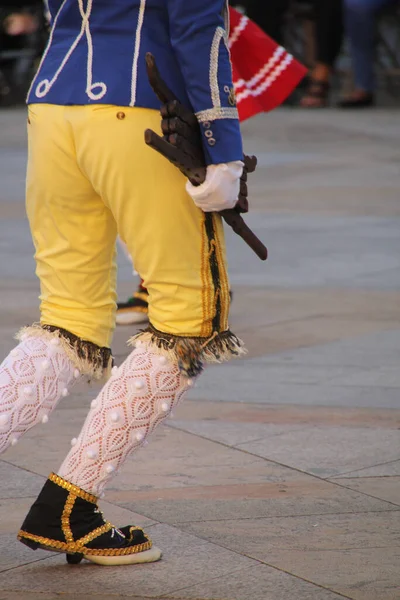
point(91, 176)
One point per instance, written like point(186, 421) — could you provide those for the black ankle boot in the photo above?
point(65, 518)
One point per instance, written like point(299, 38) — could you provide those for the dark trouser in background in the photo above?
point(269, 15)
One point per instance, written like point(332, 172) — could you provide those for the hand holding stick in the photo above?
point(182, 146)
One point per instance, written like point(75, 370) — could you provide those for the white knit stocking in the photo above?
point(140, 394)
point(33, 378)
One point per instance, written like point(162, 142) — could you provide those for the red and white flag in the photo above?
point(264, 73)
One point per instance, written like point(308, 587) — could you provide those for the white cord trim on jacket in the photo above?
point(44, 86)
point(139, 26)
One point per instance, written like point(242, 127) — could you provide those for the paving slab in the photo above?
point(385, 488)
point(233, 434)
point(18, 483)
point(12, 514)
point(357, 555)
point(385, 469)
point(303, 495)
point(264, 582)
point(27, 595)
point(228, 413)
point(13, 554)
point(254, 388)
point(328, 451)
point(248, 382)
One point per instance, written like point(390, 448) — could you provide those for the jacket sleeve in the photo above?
point(200, 42)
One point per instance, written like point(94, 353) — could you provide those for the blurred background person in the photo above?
point(328, 37)
point(22, 39)
point(360, 17)
point(269, 15)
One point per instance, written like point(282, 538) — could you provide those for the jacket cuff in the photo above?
point(222, 140)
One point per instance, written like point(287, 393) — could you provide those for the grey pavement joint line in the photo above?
point(22, 468)
point(277, 435)
point(322, 587)
point(325, 480)
point(37, 560)
point(257, 560)
point(389, 462)
point(347, 487)
point(324, 514)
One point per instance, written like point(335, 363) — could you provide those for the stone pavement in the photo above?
point(279, 479)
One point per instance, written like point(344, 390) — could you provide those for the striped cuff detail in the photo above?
point(212, 114)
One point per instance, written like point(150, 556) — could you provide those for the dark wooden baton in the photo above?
point(182, 146)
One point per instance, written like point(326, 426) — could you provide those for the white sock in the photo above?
point(139, 395)
point(33, 378)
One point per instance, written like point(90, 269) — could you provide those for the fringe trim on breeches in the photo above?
point(90, 359)
point(191, 352)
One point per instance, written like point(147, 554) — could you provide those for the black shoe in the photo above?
point(65, 518)
point(364, 101)
point(135, 309)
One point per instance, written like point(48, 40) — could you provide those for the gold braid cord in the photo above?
point(74, 547)
point(73, 489)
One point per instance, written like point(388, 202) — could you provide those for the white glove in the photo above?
point(220, 189)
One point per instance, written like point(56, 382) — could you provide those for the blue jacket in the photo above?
point(96, 51)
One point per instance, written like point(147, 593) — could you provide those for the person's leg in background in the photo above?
point(360, 24)
point(269, 15)
point(74, 237)
point(179, 251)
point(135, 309)
point(328, 41)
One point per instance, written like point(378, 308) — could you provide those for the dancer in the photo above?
point(91, 176)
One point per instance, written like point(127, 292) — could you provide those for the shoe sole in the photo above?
point(131, 318)
point(148, 556)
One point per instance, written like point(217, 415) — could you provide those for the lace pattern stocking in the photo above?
point(33, 378)
point(139, 395)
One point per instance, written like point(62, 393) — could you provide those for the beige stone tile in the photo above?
point(329, 451)
point(359, 202)
point(233, 434)
point(303, 495)
point(176, 459)
point(280, 305)
point(260, 582)
point(306, 332)
point(360, 574)
point(385, 488)
point(387, 469)
point(260, 538)
point(14, 554)
point(17, 482)
point(357, 555)
point(236, 412)
point(82, 595)
point(12, 513)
